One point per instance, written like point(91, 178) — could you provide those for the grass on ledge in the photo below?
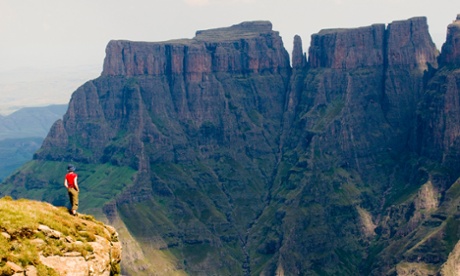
point(21, 242)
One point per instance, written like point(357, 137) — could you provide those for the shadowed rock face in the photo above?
point(374, 79)
point(326, 167)
point(439, 112)
point(348, 48)
point(451, 48)
point(410, 44)
point(403, 43)
point(299, 60)
point(355, 112)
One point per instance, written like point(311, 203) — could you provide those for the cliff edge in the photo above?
point(38, 238)
point(249, 47)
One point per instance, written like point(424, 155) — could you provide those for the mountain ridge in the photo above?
point(21, 134)
point(341, 164)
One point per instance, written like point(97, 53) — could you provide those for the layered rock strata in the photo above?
point(342, 164)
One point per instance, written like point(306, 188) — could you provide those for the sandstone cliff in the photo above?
point(343, 164)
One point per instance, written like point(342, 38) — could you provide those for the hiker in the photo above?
point(71, 183)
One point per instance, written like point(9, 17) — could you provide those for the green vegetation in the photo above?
point(327, 114)
point(44, 180)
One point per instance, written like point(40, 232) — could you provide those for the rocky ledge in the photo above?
point(40, 239)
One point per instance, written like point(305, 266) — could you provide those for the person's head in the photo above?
point(71, 168)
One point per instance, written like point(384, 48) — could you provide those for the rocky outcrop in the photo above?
point(452, 266)
point(450, 54)
point(299, 60)
point(104, 256)
point(406, 269)
point(348, 48)
point(250, 47)
point(81, 246)
point(410, 44)
point(403, 43)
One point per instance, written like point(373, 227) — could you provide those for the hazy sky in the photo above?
point(46, 34)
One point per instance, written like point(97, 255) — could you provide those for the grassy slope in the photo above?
point(20, 220)
point(99, 184)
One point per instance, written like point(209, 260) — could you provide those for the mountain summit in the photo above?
point(213, 155)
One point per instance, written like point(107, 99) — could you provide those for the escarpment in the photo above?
point(250, 47)
point(450, 54)
point(341, 164)
point(439, 110)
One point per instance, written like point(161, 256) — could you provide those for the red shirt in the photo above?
point(71, 179)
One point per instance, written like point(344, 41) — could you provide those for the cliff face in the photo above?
point(250, 47)
point(189, 89)
point(216, 146)
point(215, 101)
point(353, 119)
point(440, 111)
point(451, 48)
point(347, 48)
point(366, 80)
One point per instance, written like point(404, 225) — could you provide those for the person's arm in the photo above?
point(65, 183)
point(76, 184)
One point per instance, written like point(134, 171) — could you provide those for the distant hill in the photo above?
point(22, 132)
point(30, 121)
